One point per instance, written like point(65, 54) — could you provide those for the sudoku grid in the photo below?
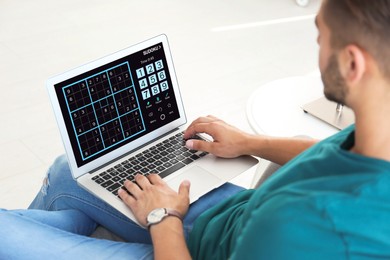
point(104, 110)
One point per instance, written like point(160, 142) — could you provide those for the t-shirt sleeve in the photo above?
point(288, 227)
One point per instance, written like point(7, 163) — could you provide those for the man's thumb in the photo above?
point(184, 188)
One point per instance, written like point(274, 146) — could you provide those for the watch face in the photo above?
point(156, 215)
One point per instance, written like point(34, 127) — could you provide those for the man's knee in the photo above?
point(59, 172)
point(61, 162)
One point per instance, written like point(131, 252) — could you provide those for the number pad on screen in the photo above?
point(152, 79)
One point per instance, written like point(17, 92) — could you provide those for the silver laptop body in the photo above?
point(124, 105)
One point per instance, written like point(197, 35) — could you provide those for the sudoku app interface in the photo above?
point(114, 104)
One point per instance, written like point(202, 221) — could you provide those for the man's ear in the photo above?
point(352, 62)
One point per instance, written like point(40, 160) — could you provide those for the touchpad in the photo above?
point(201, 182)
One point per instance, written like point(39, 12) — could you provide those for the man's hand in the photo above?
point(152, 192)
point(228, 141)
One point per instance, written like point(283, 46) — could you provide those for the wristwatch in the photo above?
point(157, 215)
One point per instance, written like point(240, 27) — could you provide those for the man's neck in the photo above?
point(372, 134)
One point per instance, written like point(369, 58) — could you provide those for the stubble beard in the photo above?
point(335, 88)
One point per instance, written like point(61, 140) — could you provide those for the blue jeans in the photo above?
point(62, 216)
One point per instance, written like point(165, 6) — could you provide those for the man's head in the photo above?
point(352, 33)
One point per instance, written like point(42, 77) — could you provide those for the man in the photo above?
point(329, 201)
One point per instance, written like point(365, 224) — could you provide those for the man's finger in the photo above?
point(184, 188)
point(208, 128)
point(126, 198)
point(200, 145)
point(154, 178)
point(142, 181)
point(133, 188)
point(193, 128)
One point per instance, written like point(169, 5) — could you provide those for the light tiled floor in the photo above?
point(223, 50)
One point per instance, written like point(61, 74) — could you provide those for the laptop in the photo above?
point(123, 114)
point(330, 112)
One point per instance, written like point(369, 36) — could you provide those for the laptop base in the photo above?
point(330, 113)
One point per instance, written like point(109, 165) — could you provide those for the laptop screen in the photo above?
point(114, 104)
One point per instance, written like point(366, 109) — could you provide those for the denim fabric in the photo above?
point(63, 215)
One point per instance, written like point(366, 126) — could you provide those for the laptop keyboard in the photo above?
point(164, 158)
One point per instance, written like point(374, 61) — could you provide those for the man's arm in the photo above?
point(230, 142)
point(277, 150)
point(168, 240)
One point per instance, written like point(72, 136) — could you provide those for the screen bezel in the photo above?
point(120, 151)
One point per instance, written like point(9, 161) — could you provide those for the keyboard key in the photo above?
point(174, 168)
point(187, 154)
point(194, 157)
point(150, 160)
point(130, 171)
point(120, 169)
point(107, 184)
point(135, 161)
point(168, 145)
point(167, 165)
point(180, 157)
point(151, 167)
point(160, 168)
point(144, 170)
point(164, 159)
point(113, 187)
point(144, 164)
point(148, 155)
point(106, 176)
point(203, 154)
point(187, 161)
point(158, 163)
point(99, 181)
point(116, 178)
point(141, 158)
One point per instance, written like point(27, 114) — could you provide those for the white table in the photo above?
point(275, 108)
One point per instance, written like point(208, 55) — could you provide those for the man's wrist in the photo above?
point(252, 144)
point(157, 215)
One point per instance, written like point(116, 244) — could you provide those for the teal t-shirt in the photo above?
point(327, 203)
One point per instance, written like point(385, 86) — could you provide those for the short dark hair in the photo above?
point(365, 23)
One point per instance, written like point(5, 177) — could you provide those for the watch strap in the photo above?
point(174, 213)
point(168, 212)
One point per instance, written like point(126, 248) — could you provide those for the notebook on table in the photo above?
point(123, 114)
